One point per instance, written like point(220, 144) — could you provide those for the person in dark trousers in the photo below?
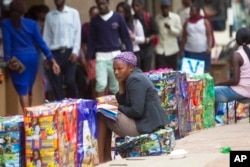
point(62, 33)
point(107, 31)
point(150, 31)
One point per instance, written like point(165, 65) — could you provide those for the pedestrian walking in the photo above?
point(107, 31)
point(21, 37)
point(62, 33)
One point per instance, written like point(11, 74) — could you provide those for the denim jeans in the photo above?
point(225, 94)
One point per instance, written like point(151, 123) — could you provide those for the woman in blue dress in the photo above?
point(21, 36)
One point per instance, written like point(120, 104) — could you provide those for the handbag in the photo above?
point(16, 65)
point(192, 66)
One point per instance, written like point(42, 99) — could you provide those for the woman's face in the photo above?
point(137, 7)
point(122, 70)
point(94, 12)
point(121, 11)
point(193, 12)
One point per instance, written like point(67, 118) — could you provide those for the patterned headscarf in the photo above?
point(127, 57)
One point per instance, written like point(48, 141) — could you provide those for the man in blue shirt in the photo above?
point(108, 31)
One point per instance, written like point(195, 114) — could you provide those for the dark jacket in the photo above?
point(105, 36)
point(142, 103)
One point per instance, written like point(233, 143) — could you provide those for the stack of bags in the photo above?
point(61, 133)
point(12, 141)
point(195, 108)
point(207, 99)
point(171, 87)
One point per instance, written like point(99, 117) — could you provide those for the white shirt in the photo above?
point(197, 37)
point(63, 29)
point(139, 35)
point(168, 43)
point(107, 16)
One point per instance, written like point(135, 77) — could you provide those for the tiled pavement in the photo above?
point(203, 148)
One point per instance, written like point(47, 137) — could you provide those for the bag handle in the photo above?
point(191, 67)
point(66, 125)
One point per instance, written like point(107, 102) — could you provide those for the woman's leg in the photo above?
point(24, 100)
point(108, 145)
point(104, 140)
point(30, 100)
point(123, 127)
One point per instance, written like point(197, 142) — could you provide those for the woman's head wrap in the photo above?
point(127, 57)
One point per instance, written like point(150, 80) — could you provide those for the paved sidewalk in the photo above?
point(203, 148)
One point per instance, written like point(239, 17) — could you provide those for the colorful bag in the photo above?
point(192, 66)
point(12, 141)
point(50, 133)
point(87, 146)
point(159, 142)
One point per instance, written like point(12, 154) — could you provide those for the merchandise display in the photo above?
point(171, 87)
point(61, 133)
point(159, 142)
point(12, 141)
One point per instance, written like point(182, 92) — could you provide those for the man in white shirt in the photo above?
point(170, 28)
point(62, 33)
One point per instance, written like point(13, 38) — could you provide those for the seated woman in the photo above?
point(140, 110)
point(238, 86)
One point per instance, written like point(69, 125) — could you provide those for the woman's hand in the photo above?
point(132, 36)
point(209, 50)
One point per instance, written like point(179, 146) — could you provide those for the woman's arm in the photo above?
point(136, 93)
point(138, 32)
point(42, 45)
point(237, 61)
point(209, 35)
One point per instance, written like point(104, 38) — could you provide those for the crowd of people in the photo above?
point(82, 55)
point(88, 50)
